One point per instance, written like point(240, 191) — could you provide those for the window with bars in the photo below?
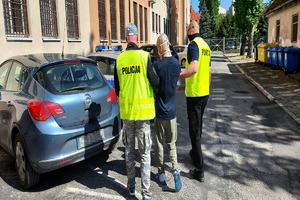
point(102, 21)
point(141, 23)
point(146, 25)
point(122, 19)
point(156, 23)
point(129, 8)
point(72, 19)
point(159, 23)
point(164, 25)
point(153, 21)
point(135, 13)
point(15, 18)
point(295, 28)
point(48, 18)
point(277, 30)
point(113, 20)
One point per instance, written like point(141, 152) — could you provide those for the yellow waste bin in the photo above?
point(262, 53)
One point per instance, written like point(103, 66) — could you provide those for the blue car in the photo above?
point(55, 111)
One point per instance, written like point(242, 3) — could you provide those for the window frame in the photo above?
point(122, 19)
point(48, 22)
point(72, 21)
point(277, 31)
point(295, 25)
point(11, 21)
point(141, 23)
point(146, 24)
point(113, 20)
point(102, 20)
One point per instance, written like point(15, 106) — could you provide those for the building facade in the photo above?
point(44, 26)
point(283, 22)
point(73, 26)
point(109, 19)
point(160, 20)
point(179, 21)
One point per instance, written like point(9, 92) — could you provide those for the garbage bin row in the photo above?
point(285, 58)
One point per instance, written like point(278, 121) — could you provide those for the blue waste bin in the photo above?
point(274, 56)
point(280, 55)
point(269, 58)
point(291, 59)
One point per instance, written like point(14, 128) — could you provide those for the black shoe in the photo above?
point(197, 174)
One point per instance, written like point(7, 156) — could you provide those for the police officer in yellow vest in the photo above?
point(135, 79)
point(197, 75)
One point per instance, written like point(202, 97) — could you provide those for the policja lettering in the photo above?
point(134, 69)
point(205, 52)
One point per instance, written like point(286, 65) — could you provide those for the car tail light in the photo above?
point(42, 110)
point(112, 97)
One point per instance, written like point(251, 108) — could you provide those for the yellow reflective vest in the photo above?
point(136, 95)
point(198, 84)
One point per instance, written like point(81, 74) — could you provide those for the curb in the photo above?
point(257, 85)
point(267, 94)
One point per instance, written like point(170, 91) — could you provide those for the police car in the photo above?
point(106, 58)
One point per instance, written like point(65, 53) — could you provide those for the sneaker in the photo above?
point(197, 174)
point(146, 198)
point(131, 191)
point(177, 181)
point(160, 178)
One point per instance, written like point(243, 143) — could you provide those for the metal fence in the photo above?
point(224, 44)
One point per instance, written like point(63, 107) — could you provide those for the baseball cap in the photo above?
point(131, 27)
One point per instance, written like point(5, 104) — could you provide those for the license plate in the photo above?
point(90, 138)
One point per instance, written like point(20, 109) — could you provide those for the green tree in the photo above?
point(205, 23)
point(213, 8)
point(247, 14)
point(226, 26)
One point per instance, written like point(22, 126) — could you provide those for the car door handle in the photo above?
point(9, 104)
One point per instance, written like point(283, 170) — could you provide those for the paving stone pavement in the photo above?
point(277, 86)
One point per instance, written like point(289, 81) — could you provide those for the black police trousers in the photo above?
point(195, 110)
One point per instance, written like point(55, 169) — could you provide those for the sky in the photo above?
point(223, 3)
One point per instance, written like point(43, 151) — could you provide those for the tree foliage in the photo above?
point(247, 15)
point(205, 23)
point(212, 7)
point(226, 27)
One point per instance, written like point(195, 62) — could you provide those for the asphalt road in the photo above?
point(251, 151)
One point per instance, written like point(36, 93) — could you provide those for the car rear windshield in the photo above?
point(70, 77)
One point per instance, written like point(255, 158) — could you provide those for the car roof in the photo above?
point(37, 60)
point(109, 54)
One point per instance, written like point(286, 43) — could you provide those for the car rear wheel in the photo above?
point(183, 63)
point(26, 175)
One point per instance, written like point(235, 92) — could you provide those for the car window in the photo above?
point(14, 77)
point(70, 77)
point(3, 72)
point(179, 49)
point(102, 64)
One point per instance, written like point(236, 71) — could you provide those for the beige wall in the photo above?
point(35, 43)
point(180, 18)
point(129, 10)
point(160, 9)
point(285, 17)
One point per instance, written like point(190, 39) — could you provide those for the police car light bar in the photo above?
point(109, 48)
